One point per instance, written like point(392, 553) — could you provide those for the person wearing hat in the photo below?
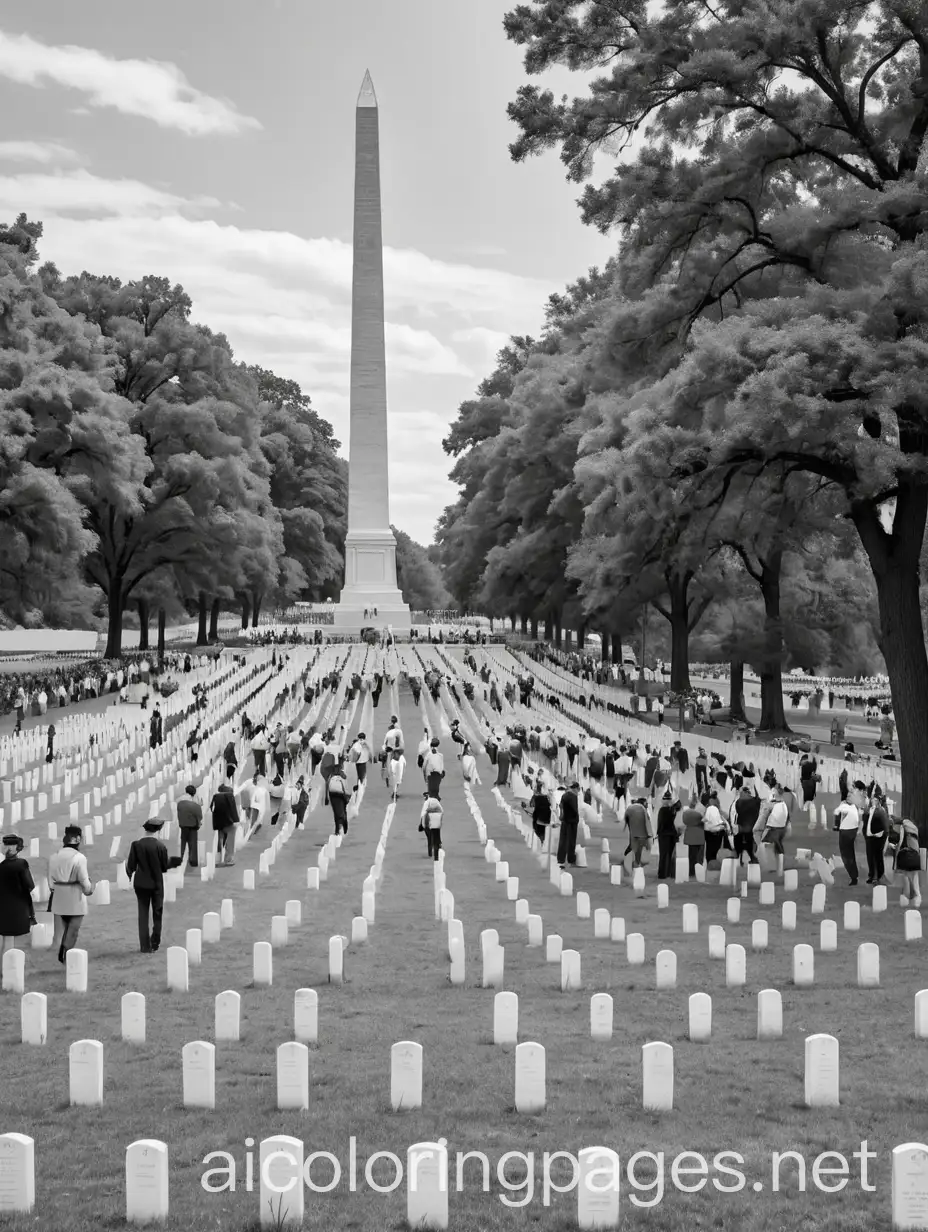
point(224, 809)
point(338, 798)
point(638, 821)
point(189, 820)
point(69, 883)
point(148, 860)
point(457, 737)
point(433, 768)
point(570, 821)
point(668, 828)
point(17, 914)
point(430, 822)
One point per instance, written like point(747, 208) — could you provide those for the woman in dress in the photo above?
point(17, 914)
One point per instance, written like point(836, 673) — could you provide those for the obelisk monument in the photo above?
point(370, 548)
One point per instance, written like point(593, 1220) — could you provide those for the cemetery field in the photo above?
point(732, 1094)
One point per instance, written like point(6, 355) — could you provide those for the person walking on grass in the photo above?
point(908, 862)
point(430, 821)
point(148, 861)
point(17, 913)
point(70, 884)
point(469, 766)
point(570, 822)
point(638, 821)
point(876, 826)
point(847, 823)
point(338, 798)
point(189, 820)
point(694, 833)
point(225, 818)
point(668, 826)
point(433, 768)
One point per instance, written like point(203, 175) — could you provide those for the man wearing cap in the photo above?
point(148, 860)
point(189, 820)
point(570, 821)
point(433, 768)
point(70, 884)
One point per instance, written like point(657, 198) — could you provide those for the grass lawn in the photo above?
point(734, 1094)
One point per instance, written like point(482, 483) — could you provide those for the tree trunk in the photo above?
point(114, 606)
point(678, 615)
point(772, 711)
point(535, 628)
point(616, 640)
point(523, 621)
point(558, 633)
point(162, 621)
point(246, 611)
point(581, 638)
point(605, 652)
point(736, 677)
point(568, 639)
point(549, 629)
point(894, 559)
point(142, 605)
point(256, 598)
point(201, 630)
point(214, 620)
point(512, 621)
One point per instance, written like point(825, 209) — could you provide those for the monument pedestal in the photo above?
point(370, 582)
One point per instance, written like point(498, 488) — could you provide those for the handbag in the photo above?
point(908, 860)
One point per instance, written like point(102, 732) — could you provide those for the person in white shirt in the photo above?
point(70, 885)
point(773, 820)
point(469, 766)
point(316, 750)
point(847, 823)
point(396, 768)
point(360, 756)
point(433, 769)
point(424, 745)
point(715, 828)
point(430, 821)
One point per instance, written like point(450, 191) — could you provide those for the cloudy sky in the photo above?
point(212, 143)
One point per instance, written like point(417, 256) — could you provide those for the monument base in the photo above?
point(370, 582)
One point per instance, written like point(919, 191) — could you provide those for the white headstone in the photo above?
point(405, 1076)
point(17, 1174)
point(262, 964)
point(530, 1078)
point(293, 1076)
point(14, 971)
point(663, 896)
point(681, 873)
point(601, 922)
point(506, 1019)
point(769, 1014)
point(852, 917)
point(638, 882)
point(818, 899)
point(601, 1016)
point(700, 1018)
point(281, 1190)
point(735, 966)
point(228, 1017)
point(790, 881)
point(617, 929)
point(803, 966)
point(879, 898)
point(716, 941)
point(522, 910)
point(666, 969)
point(133, 1018)
point(598, 1188)
point(788, 917)
point(828, 936)
point(85, 1059)
point(868, 965)
point(226, 913)
point(657, 1075)
point(248, 878)
point(279, 931)
point(690, 918)
point(733, 909)
point(910, 1186)
point(767, 892)
point(34, 1023)
point(566, 884)
point(913, 926)
point(146, 1181)
point(634, 949)
point(921, 1014)
point(199, 1064)
point(759, 935)
point(306, 1015)
point(194, 946)
point(76, 970)
point(821, 1071)
point(554, 947)
point(583, 905)
point(427, 1185)
point(570, 970)
point(178, 969)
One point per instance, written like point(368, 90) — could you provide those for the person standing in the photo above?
point(847, 823)
point(694, 833)
point(361, 756)
point(540, 807)
point(259, 748)
point(639, 828)
point(702, 770)
point(50, 745)
point(876, 826)
point(302, 802)
point(908, 863)
point(69, 882)
point(775, 822)
point(17, 913)
point(430, 821)
point(225, 817)
point(715, 828)
point(433, 769)
point(503, 765)
point(148, 860)
point(746, 810)
point(570, 821)
point(396, 769)
point(338, 798)
point(189, 820)
point(155, 728)
point(667, 835)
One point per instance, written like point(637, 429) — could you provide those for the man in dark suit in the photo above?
point(148, 860)
point(570, 821)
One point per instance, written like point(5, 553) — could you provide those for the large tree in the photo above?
point(779, 183)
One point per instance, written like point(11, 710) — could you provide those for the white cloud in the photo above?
point(79, 191)
point(152, 89)
point(35, 152)
point(486, 343)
